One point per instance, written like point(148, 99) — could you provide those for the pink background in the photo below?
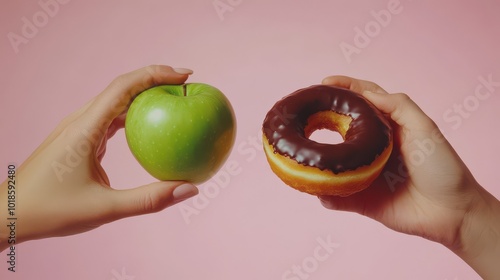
point(257, 52)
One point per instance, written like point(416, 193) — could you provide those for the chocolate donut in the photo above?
point(326, 169)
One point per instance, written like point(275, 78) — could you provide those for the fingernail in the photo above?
point(367, 92)
point(183, 71)
point(183, 192)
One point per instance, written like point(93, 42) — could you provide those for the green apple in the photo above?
point(181, 132)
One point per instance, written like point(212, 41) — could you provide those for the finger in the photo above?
point(399, 107)
point(116, 124)
point(149, 198)
point(402, 110)
point(369, 202)
point(115, 99)
point(353, 84)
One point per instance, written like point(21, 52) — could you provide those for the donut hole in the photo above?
point(327, 127)
point(326, 136)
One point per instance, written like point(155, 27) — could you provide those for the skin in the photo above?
point(51, 202)
point(434, 196)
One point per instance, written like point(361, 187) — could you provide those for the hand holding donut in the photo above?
point(425, 189)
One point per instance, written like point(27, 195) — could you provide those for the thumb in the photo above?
point(115, 99)
point(150, 198)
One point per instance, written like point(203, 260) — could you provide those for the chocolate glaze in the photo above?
point(367, 137)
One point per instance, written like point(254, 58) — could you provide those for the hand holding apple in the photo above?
point(181, 132)
point(65, 189)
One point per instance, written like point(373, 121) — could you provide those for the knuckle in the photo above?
point(152, 68)
point(401, 96)
point(118, 82)
point(375, 87)
point(151, 204)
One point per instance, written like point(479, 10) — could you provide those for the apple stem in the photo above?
point(184, 89)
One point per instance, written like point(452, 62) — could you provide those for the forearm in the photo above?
point(480, 237)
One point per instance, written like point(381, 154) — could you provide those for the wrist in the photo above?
point(479, 242)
